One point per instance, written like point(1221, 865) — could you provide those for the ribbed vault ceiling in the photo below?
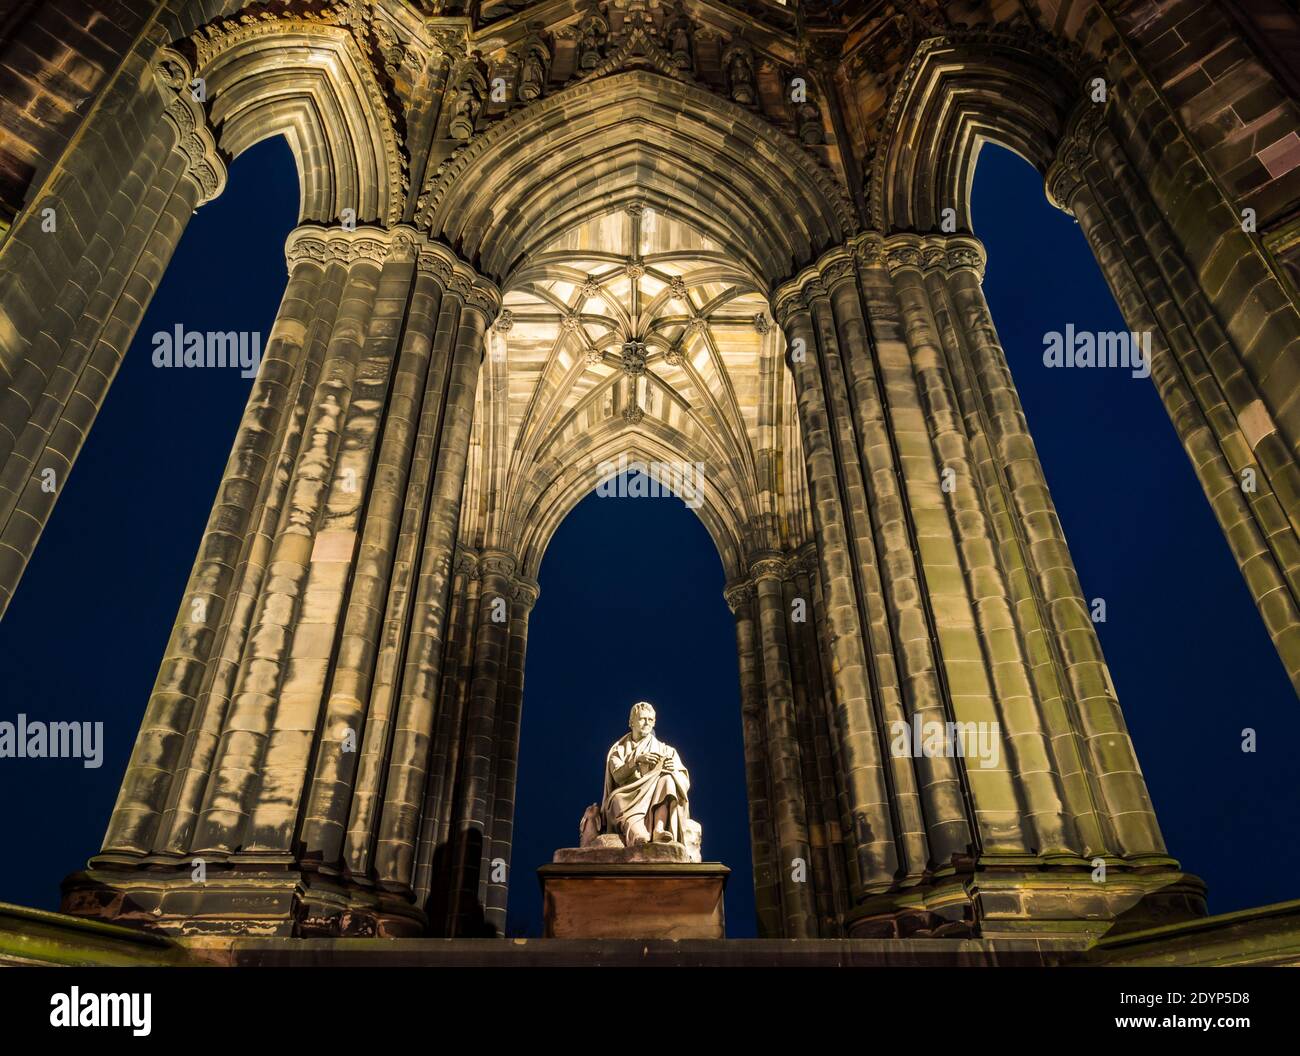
point(634, 335)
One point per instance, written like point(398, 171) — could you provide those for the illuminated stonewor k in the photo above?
point(697, 234)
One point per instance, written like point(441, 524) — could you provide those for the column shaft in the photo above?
point(790, 813)
point(408, 766)
point(270, 677)
point(863, 767)
point(762, 844)
point(168, 737)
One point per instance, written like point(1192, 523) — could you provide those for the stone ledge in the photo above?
point(1259, 936)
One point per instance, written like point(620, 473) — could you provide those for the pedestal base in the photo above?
point(637, 901)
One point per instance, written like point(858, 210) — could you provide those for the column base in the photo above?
point(1009, 902)
point(633, 901)
point(238, 901)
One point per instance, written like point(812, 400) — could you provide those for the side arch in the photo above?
point(955, 94)
point(310, 83)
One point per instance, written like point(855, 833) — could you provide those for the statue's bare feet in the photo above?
point(663, 836)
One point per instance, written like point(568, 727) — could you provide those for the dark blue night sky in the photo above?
point(631, 602)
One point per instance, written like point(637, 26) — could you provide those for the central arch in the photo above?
point(637, 226)
point(637, 135)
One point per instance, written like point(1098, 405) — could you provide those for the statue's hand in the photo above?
point(652, 759)
point(669, 764)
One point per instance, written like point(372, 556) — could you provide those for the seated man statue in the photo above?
point(646, 788)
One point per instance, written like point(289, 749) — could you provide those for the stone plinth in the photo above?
point(609, 850)
point(641, 900)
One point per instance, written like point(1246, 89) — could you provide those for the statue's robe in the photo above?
point(625, 803)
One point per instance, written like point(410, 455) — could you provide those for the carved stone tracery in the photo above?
point(186, 115)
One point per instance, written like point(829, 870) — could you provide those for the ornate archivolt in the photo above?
point(187, 118)
point(634, 337)
point(302, 74)
point(1013, 85)
point(636, 135)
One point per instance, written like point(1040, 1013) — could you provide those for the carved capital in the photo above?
point(174, 77)
point(836, 267)
point(436, 261)
point(902, 251)
point(367, 247)
point(738, 594)
point(306, 246)
point(484, 297)
point(933, 252)
point(804, 561)
point(497, 563)
point(769, 566)
point(1077, 147)
point(965, 251)
point(335, 245)
point(457, 277)
point(525, 590)
point(788, 301)
point(465, 564)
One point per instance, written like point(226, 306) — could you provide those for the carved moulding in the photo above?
point(933, 252)
point(379, 245)
point(194, 137)
point(1065, 175)
point(341, 23)
point(738, 594)
point(871, 249)
point(1026, 38)
point(771, 564)
point(805, 163)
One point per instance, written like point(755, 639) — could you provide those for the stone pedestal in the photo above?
point(643, 900)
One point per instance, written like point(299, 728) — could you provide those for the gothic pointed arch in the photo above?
point(1013, 87)
point(309, 81)
point(637, 134)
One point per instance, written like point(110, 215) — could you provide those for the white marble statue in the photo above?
point(646, 792)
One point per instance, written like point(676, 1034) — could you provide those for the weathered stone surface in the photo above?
point(629, 218)
point(643, 901)
point(612, 852)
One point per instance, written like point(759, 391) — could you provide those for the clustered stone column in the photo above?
point(949, 596)
point(464, 855)
point(1205, 365)
point(76, 277)
point(793, 776)
point(290, 725)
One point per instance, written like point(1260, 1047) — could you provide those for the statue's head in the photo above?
point(642, 720)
